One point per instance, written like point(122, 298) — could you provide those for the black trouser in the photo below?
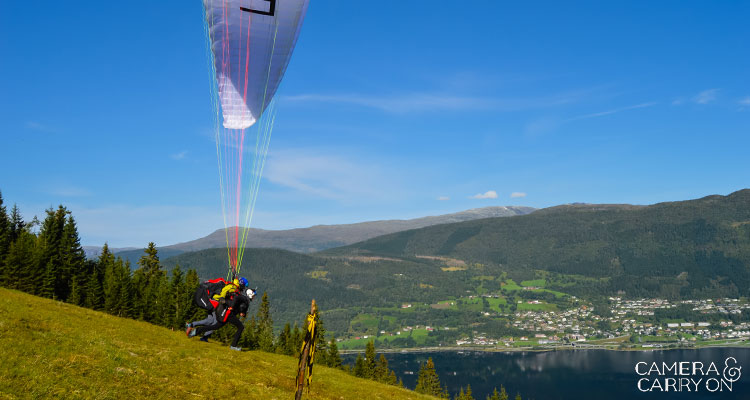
point(232, 319)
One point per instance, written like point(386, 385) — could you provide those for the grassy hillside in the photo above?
point(696, 248)
point(51, 349)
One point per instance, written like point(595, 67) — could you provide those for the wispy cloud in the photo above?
point(413, 102)
point(322, 173)
point(490, 194)
point(179, 156)
point(39, 127)
point(613, 111)
point(744, 102)
point(547, 124)
point(516, 195)
point(706, 96)
point(443, 198)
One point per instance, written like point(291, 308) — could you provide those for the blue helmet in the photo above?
point(243, 282)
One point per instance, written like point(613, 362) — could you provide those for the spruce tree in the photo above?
point(503, 393)
point(177, 298)
point(460, 395)
point(126, 303)
point(49, 258)
point(360, 370)
point(282, 346)
point(370, 360)
point(191, 285)
point(148, 281)
point(334, 358)
point(518, 396)
point(428, 381)
point(264, 327)
point(73, 263)
point(468, 395)
point(17, 224)
point(4, 234)
point(380, 373)
point(18, 263)
point(112, 280)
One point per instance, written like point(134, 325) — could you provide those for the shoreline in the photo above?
point(535, 350)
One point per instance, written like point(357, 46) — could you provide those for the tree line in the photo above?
point(46, 259)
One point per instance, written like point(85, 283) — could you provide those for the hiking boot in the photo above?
point(235, 348)
point(204, 339)
point(188, 331)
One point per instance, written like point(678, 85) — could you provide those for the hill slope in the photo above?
point(689, 248)
point(320, 237)
point(51, 349)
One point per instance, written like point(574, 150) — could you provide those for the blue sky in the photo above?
point(391, 109)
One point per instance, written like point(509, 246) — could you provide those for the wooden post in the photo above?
point(302, 367)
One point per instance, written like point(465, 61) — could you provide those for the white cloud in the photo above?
point(706, 96)
point(613, 111)
point(745, 102)
point(428, 101)
point(179, 156)
point(516, 195)
point(490, 194)
point(323, 173)
point(443, 198)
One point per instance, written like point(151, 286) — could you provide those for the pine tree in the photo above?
point(19, 263)
point(73, 264)
point(503, 393)
point(282, 346)
point(177, 298)
point(428, 381)
point(370, 361)
point(5, 230)
point(191, 285)
point(112, 280)
point(17, 224)
point(125, 306)
point(460, 395)
point(334, 358)
point(148, 282)
point(518, 396)
point(298, 336)
point(49, 269)
point(380, 372)
point(496, 395)
point(360, 370)
point(264, 325)
point(468, 395)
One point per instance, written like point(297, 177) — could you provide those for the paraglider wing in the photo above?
point(251, 42)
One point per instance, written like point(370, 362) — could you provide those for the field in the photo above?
point(55, 350)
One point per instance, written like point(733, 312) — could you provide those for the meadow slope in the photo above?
point(50, 349)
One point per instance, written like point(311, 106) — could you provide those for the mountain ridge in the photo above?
point(321, 237)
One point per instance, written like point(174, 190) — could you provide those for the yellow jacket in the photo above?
point(230, 287)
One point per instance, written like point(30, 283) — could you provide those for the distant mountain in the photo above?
point(321, 237)
point(686, 248)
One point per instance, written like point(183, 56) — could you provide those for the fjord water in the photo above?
point(569, 374)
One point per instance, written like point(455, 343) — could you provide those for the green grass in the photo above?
point(496, 304)
point(536, 282)
point(55, 350)
point(537, 307)
point(510, 285)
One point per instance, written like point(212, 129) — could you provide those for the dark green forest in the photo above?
point(689, 249)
